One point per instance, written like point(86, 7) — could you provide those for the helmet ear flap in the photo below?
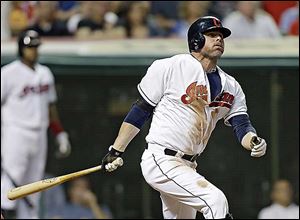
point(197, 42)
point(20, 51)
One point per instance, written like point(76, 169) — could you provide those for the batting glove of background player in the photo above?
point(112, 160)
point(258, 147)
point(64, 146)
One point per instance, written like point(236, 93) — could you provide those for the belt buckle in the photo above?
point(179, 154)
point(194, 157)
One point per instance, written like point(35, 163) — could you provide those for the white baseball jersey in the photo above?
point(184, 115)
point(25, 98)
point(26, 94)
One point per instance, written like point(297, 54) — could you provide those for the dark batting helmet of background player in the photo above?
point(29, 38)
point(196, 40)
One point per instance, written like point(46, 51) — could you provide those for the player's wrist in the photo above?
point(56, 127)
point(115, 152)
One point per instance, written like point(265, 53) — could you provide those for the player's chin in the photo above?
point(33, 59)
point(220, 49)
point(217, 54)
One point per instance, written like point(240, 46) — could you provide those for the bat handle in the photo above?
point(255, 141)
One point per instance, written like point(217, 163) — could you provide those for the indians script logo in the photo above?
point(225, 99)
point(34, 89)
point(194, 92)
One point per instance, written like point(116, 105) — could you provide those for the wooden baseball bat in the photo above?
point(21, 191)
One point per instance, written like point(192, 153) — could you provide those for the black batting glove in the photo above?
point(112, 160)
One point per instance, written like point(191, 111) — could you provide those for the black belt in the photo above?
point(188, 157)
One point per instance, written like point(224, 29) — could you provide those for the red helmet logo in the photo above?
point(217, 22)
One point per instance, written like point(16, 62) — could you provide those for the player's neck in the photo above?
point(208, 65)
point(28, 63)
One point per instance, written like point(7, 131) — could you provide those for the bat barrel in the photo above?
point(41, 185)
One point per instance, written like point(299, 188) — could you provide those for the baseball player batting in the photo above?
point(27, 109)
point(186, 95)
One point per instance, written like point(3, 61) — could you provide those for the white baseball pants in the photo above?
point(23, 157)
point(183, 191)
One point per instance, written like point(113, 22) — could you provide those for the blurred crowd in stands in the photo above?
point(95, 20)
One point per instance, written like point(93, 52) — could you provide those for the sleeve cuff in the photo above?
point(226, 119)
point(145, 96)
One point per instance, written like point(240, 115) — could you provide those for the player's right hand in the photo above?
point(112, 160)
point(259, 147)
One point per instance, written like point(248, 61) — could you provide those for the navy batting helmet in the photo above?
point(196, 40)
point(29, 38)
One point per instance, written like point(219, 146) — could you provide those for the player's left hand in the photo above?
point(259, 147)
point(64, 146)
